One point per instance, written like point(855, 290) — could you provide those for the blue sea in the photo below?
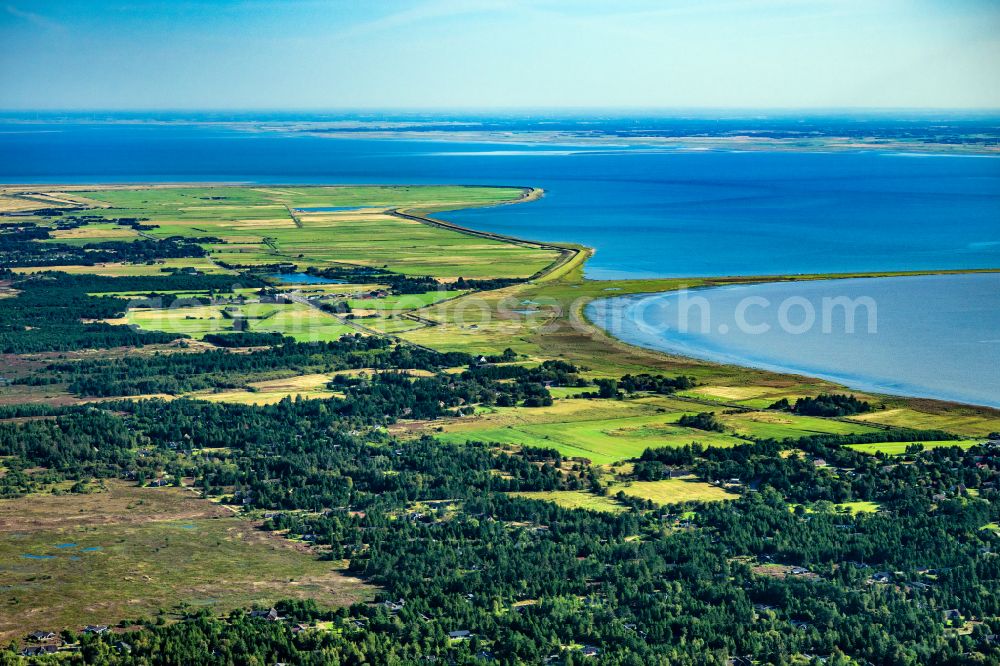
point(648, 212)
point(935, 336)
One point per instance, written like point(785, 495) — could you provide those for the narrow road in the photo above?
point(298, 298)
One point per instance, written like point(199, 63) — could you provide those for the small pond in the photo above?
point(303, 278)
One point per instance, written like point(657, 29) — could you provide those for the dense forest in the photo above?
point(526, 576)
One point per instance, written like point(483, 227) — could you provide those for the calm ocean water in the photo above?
point(932, 336)
point(647, 212)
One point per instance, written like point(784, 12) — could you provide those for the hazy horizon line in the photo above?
point(626, 110)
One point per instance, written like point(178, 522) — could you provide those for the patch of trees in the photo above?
point(655, 383)
point(93, 441)
point(336, 307)
point(485, 284)
point(509, 356)
point(78, 220)
point(616, 388)
point(409, 284)
point(247, 339)
point(20, 246)
point(49, 212)
point(835, 404)
point(553, 372)
point(392, 395)
point(702, 421)
point(354, 274)
point(606, 388)
point(21, 231)
point(153, 284)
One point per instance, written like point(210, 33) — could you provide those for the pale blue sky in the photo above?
point(328, 54)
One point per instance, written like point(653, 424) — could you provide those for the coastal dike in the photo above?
point(570, 256)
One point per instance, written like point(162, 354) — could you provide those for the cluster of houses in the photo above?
point(275, 297)
point(584, 651)
point(271, 615)
point(796, 623)
point(44, 642)
point(43, 637)
point(281, 298)
point(464, 634)
point(367, 295)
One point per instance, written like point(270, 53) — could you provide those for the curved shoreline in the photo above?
point(564, 272)
point(575, 256)
point(899, 362)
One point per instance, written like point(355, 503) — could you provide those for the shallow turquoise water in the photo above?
point(928, 336)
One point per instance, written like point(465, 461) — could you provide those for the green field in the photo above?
point(261, 225)
point(403, 302)
point(750, 396)
point(299, 321)
point(608, 431)
point(859, 507)
point(779, 425)
point(899, 448)
point(94, 233)
point(576, 499)
point(389, 326)
point(303, 322)
point(128, 551)
point(853, 508)
point(600, 431)
point(673, 491)
point(310, 387)
point(667, 491)
point(970, 421)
